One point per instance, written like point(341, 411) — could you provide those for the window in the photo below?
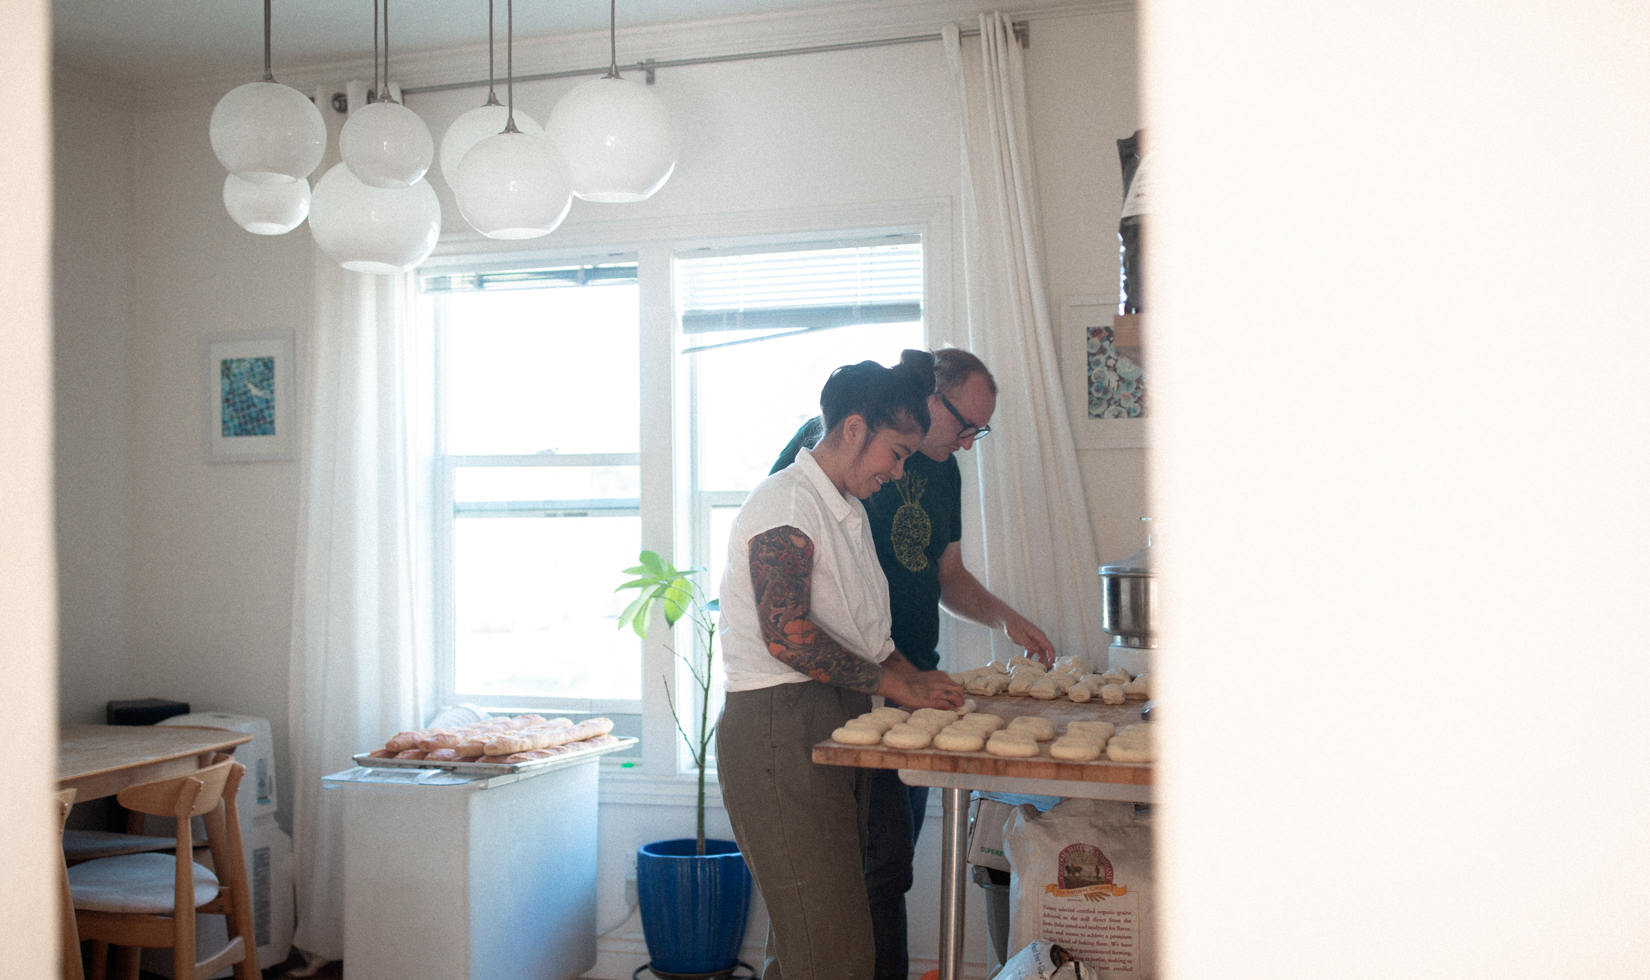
point(587, 409)
point(538, 478)
point(778, 323)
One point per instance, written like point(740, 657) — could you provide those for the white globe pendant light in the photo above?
point(266, 132)
point(513, 185)
point(618, 138)
point(479, 123)
point(620, 143)
point(373, 229)
point(384, 143)
point(473, 127)
point(266, 209)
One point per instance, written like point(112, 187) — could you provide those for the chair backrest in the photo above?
point(65, 800)
point(181, 796)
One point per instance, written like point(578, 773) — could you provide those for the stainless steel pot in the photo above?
point(1128, 593)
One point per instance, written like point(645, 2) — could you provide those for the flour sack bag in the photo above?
point(1083, 879)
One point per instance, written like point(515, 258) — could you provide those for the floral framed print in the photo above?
point(1104, 373)
point(250, 395)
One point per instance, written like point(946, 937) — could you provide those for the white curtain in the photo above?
point(1039, 551)
point(358, 673)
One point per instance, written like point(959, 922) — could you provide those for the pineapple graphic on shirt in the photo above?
point(912, 530)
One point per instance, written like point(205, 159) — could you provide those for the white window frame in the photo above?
point(666, 448)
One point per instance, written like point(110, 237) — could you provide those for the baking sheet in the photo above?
point(495, 768)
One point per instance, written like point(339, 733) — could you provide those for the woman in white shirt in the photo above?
point(805, 637)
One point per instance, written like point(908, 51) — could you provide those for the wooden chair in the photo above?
point(149, 900)
point(71, 937)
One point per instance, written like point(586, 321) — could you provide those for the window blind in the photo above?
point(583, 275)
point(812, 289)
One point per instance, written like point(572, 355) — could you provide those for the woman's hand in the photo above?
point(908, 687)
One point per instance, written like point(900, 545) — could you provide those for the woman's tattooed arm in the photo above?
point(782, 562)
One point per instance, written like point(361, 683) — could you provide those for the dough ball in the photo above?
point(889, 711)
point(996, 684)
point(958, 739)
point(1119, 750)
point(907, 737)
point(997, 667)
point(978, 685)
point(1138, 689)
point(1020, 685)
point(981, 720)
point(1099, 729)
point(1094, 681)
point(968, 707)
point(1077, 749)
point(1112, 694)
point(934, 714)
point(1080, 693)
point(1040, 729)
point(1116, 675)
point(856, 735)
point(1011, 747)
point(880, 722)
point(1044, 690)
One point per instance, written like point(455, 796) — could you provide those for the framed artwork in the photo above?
point(1104, 374)
point(250, 393)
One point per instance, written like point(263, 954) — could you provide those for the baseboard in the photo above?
point(621, 951)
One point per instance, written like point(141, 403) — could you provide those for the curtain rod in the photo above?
point(1022, 33)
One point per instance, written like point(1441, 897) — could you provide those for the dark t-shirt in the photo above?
point(913, 521)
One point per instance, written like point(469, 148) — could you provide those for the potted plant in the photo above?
point(694, 892)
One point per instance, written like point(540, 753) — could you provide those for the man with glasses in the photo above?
point(916, 522)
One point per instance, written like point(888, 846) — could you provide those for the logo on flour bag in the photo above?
point(1085, 867)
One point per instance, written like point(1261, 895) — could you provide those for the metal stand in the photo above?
point(953, 882)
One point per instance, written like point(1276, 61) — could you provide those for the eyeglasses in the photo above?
point(969, 430)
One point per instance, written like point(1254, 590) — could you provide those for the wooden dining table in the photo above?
point(955, 774)
point(101, 760)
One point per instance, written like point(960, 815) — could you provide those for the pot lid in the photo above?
point(1139, 563)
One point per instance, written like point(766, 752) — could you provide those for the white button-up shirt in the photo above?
point(848, 594)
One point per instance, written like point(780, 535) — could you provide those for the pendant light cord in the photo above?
point(387, 96)
point(268, 75)
point(509, 65)
point(372, 96)
point(492, 96)
point(613, 38)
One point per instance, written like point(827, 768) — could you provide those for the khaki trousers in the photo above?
point(801, 827)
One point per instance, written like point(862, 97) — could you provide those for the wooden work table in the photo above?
point(101, 760)
point(983, 771)
point(956, 773)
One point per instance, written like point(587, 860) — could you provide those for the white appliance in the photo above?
point(268, 850)
point(256, 797)
point(450, 876)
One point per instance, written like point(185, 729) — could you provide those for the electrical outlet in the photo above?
point(632, 895)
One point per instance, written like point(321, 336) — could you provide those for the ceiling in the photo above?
point(159, 41)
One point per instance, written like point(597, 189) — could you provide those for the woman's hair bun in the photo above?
point(919, 364)
point(884, 397)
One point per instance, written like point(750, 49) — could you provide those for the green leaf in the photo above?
point(714, 605)
point(640, 583)
point(657, 566)
point(635, 615)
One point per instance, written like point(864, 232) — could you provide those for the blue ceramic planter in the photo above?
point(693, 905)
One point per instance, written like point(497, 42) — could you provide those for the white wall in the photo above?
point(1409, 627)
point(28, 600)
point(92, 327)
point(193, 598)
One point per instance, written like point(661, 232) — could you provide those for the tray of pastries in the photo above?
point(497, 746)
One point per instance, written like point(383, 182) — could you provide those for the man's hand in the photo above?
point(908, 687)
point(1024, 633)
